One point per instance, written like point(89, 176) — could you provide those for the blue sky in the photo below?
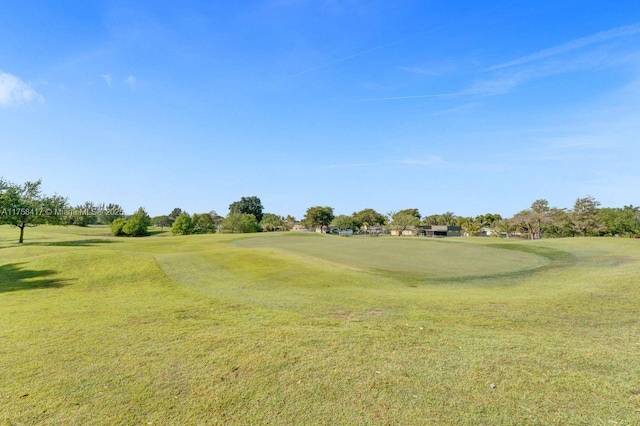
point(439, 105)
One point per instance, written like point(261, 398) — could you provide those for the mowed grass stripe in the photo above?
point(274, 280)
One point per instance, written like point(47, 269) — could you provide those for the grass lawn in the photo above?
point(312, 329)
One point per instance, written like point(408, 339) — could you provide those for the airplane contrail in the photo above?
point(430, 95)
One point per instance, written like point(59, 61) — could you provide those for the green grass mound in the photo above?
point(402, 256)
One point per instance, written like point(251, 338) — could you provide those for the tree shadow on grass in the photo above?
point(74, 243)
point(14, 277)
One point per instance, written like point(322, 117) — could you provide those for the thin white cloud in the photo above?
point(462, 107)
point(603, 131)
point(578, 43)
point(432, 69)
point(503, 78)
point(335, 62)
point(575, 55)
point(498, 85)
point(130, 81)
point(14, 91)
point(107, 79)
point(431, 160)
point(429, 95)
point(489, 87)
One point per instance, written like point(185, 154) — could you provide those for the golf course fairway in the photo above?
point(288, 328)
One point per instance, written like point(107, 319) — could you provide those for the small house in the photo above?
point(439, 231)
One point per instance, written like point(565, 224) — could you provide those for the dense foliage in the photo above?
point(93, 214)
point(199, 223)
point(345, 222)
point(272, 222)
point(183, 225)
point(318, 217)
point(249, 205)
point(369, 217)
point(136, 225)
point(116, 227)
point(240, 223)
point(404, 219)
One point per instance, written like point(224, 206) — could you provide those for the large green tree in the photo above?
point(559, 224)
point(183, 225)
point(240, 222)
point(203, 223)
point(488, 219)
point(370, 217)
point(345, 222)
point(404, 219)
point(137, 224)
point(24, 206)
point(621, 221)
point(470, 226)
point(116, 226)
point(447, 218)
point(199, 223)
point(175, 213)
point(318, 216)
point(272, 222)
point(585, 217)
point(523, 222)
point(250, 205)
point(540, 215)
point(532, 221)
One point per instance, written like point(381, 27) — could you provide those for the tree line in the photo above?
point(24, 205)
point(540, 220)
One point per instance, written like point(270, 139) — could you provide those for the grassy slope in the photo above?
point(204, 329)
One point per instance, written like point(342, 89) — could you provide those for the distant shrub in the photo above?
point(183, 225)
point(116, 226)
point(203, 224)
point(240, 222)
point(137, 224)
